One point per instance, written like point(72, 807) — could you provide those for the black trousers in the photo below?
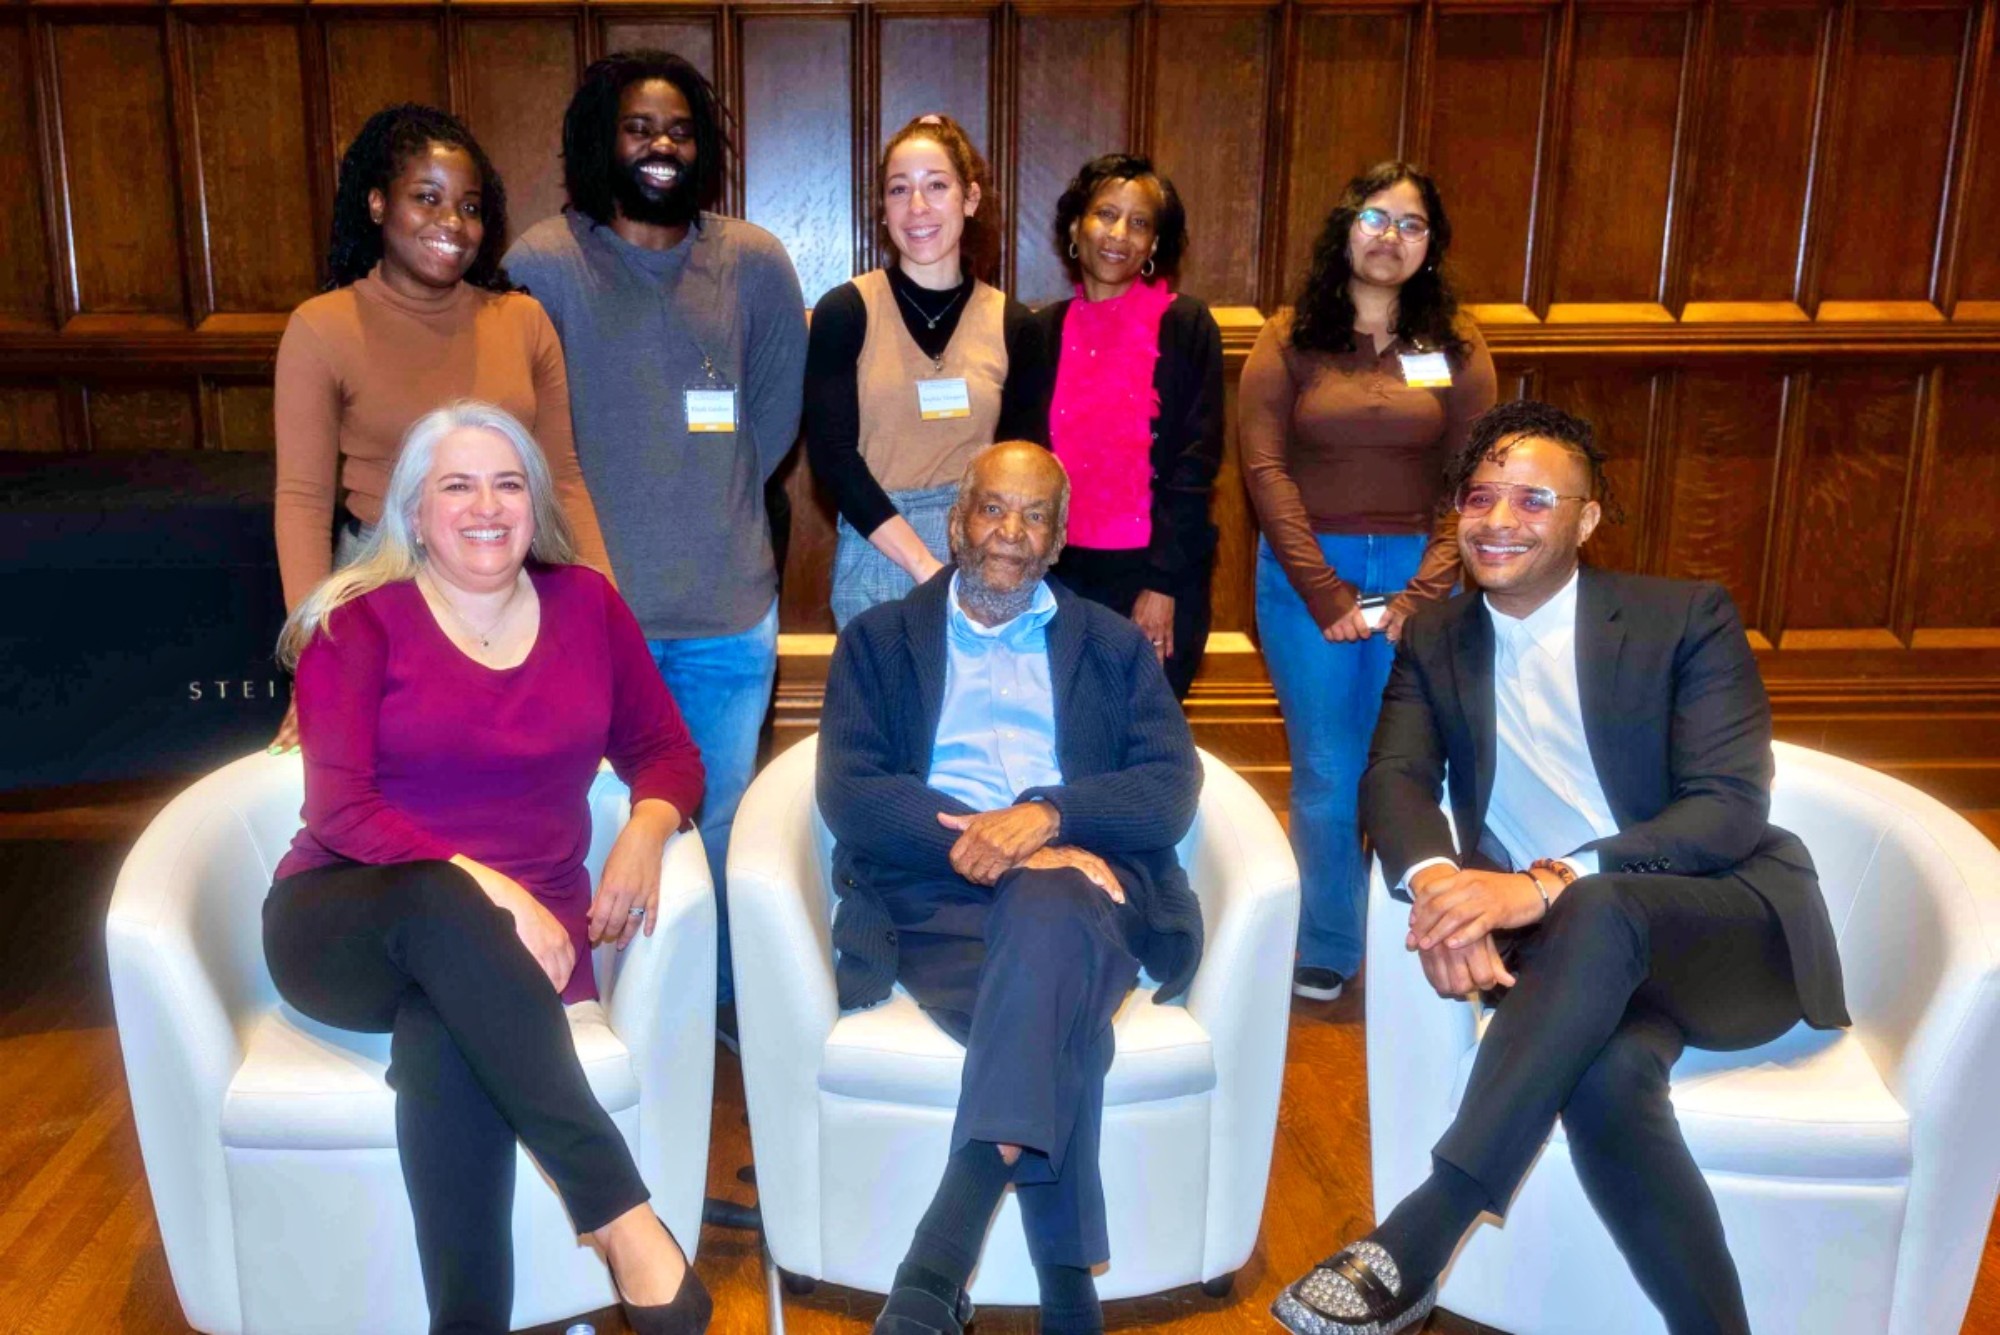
point(1029, 983)
point(480, 1054)
point(1117, 578)
point(1624, 973)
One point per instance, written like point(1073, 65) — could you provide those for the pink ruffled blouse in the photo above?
point(1101, 414)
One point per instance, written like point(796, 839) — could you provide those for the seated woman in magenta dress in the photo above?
point(457, 685)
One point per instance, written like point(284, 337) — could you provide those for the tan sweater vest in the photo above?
point(904, 452)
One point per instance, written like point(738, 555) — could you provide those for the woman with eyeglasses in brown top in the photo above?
point(1349, 405)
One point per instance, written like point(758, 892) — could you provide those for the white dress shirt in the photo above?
point(1546, 800)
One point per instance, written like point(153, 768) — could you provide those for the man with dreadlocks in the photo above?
point(1606, 743)
point(686, 341)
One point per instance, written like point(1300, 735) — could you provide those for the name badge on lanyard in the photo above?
point(942, 400)
point(711, 408)
point(1426, 370)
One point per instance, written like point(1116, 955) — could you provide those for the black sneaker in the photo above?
point(1316, 984)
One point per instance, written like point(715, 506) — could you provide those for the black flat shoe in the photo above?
point(1356, 1291)
point(922, 1303)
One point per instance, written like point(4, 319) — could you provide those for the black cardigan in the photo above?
point(1131, 778)
point(1187, 435)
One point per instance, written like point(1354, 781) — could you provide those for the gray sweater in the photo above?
point(683, 513)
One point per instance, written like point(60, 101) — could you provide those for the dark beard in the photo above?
point(673, 207)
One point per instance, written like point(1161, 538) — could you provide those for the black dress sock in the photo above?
point(1423, 1230)
point(1069, 1301)
point(953, 1230)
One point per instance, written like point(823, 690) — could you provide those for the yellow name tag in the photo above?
point(1426, 370)
point(711, 409)
point(941, 400)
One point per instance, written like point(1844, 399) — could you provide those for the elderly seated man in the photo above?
point(1006, 774)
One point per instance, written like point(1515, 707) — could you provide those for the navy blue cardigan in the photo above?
point(1131, 778)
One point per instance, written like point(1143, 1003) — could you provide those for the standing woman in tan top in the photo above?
point(418, 313)
point(1350, 404)
point(906, 367)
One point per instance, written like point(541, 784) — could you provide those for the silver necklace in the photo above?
point(930, 321)
point(485, 637)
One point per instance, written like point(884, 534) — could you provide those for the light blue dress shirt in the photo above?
point(996, 734)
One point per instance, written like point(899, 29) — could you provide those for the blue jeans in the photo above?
point(1330, 695)
point(723, 686)
point(863, 577)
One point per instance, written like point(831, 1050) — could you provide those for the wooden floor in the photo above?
point(79, 1250)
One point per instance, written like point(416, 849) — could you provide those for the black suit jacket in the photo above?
point(1679, 730)
point(1131, 777)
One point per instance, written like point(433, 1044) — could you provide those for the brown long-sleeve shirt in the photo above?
point(1338, 443)
point(358, 365)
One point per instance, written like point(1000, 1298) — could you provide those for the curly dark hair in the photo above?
point(1495, 430)
point(590, 128)
point(389, 139)
point(979, 246)
point(1170, 231)
point(1426, 309)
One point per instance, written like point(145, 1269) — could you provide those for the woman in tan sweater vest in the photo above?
point(906, 367)
point(418, 314)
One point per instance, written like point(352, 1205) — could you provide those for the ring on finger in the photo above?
point(639, 912)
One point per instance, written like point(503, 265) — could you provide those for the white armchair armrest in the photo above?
point(1920, 959)
point(660, 1001)
point(1416, 1040)
point(185, 945)
point(1243, 871)
point(786, 999)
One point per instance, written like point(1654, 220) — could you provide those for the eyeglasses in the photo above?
point(1478, 498)
point(1377, 222)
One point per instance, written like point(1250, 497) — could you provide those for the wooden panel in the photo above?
point(1955, 584)
point(1618, 403)
point(1742, 237)
point(249, 102)
point(1979, 258)
point(1722, 466)
point(1203, 62)
point(691, 38)
point(933, 64)
point(24, 253)
point(1859, 426)
point(1089, 56)
point(1346, 114)
point(798, 142)
point(519, 74)
point(1610, 231)
point(372, 63)
point(118, 151)
point(1894, 138)
point(243, 418)
point(1486, 121)
point(150, 417)
point(30, 418)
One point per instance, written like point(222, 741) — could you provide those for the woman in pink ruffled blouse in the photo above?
point(1130, 387)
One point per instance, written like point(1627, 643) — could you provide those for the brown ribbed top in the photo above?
point(358, 365)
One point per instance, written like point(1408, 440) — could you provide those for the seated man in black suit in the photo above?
point(1609, 751)
point(1007, 773)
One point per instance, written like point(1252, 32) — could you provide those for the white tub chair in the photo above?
point(270, 1140)
point(850, 1115)
point(1855, 1171)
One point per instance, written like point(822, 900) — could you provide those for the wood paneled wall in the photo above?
point(1750, 237)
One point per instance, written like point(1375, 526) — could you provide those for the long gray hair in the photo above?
point(395, 550)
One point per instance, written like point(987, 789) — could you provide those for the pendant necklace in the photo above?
point(485, 637)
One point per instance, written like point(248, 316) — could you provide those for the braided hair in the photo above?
point(590, 129)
